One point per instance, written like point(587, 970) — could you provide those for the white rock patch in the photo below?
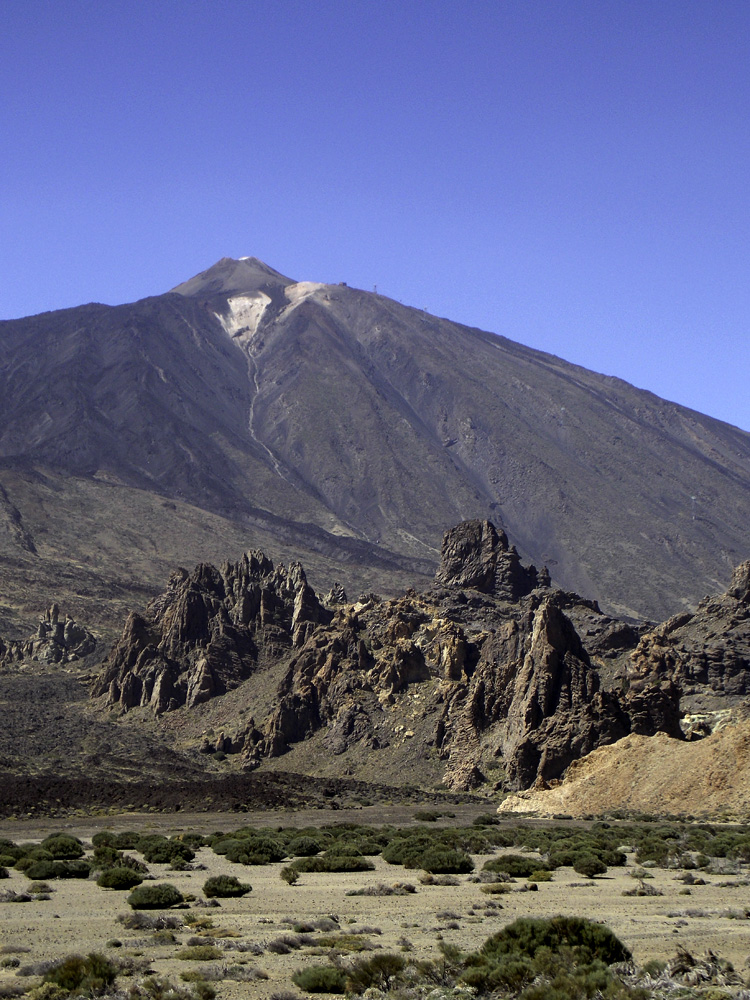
point(245, 314)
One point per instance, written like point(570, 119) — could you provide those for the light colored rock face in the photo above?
point(244, 315)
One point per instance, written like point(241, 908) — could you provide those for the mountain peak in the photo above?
point(231, 277)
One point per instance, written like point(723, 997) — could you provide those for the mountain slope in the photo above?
point(323, 419)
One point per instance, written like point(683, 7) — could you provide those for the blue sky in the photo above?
point(573, 174)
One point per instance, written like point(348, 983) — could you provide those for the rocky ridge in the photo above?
point(207, 632)
point(56, 640)
point(493, 672)
point(708, 649)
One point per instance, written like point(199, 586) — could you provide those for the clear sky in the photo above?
point(574, 174)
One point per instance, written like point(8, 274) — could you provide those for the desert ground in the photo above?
point(80, 917)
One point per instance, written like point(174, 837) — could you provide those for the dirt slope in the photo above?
point(652, 774)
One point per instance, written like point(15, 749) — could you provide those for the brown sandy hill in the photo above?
point(652, 774)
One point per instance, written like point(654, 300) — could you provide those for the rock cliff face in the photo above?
point(207, 632)
point(476, 555)
point(708, 649)
point(486, 671)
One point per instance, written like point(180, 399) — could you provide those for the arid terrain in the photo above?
point(79, 917)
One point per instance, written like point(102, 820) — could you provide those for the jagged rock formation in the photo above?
point(476, 555)
point(207, 632)
point(56, 641)
point(707, 649)
point(486, 670)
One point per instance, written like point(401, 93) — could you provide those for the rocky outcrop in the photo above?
point(492, 673)
point(57, 640)
point(506, 678)
point(207, 632)
point(709, 649)
point(475, 555)
point(536, 701)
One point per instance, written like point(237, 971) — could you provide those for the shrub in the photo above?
point(320, 979)
point(4, 873)
point(142, 922)
point(82, 975)
point(108, 857)
point(289, 874)
point(515, 865)
point(303, 847)
point(587, 939)
point(127, 840)
point(199, 953)
point(486, 819)
point(444, 861)
point(376, 972)
point(161, 851)
point(155, 897)
point(119, 878)
point(566, 956)
point(332, 863)
point(104, 838)
point(63, 847)
point(225, 886)
point(249, 848)
point(427, 815)
point(43, 870)
point(541, 875)
point(588, 865)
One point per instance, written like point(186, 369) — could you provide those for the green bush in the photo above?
point(332, 863)
point(119, 878)
point(199, 953)
point(63, 847)
point(127, 840)
point(588, 865)
point(83, 976)
point(304, 847)
point(225, 886)
point(320, 979)
point(162, 851)
point(376, 972)
point(155, 897)
point(108, 857)
point(587, 940)
point(4, 873)
point(443, 861)
point(515, 865)
point(104, 838)
point(486, 819)
point(562, 958)
point(30, 856)
point(40, 871)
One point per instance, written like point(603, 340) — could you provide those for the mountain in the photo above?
point(247, 410)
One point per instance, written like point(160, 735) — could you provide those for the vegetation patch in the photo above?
point(320, 979)
point(155, 897)
point(225, 886)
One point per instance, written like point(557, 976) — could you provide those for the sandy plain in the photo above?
point(80, 917)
